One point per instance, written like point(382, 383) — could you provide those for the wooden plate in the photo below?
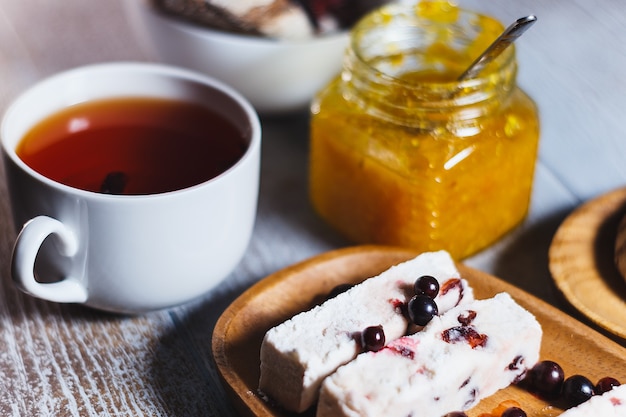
point(582, 261)
point(239, 331)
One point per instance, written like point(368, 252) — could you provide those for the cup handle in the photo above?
point(29, 241)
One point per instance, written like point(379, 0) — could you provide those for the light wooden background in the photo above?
point(68, 361)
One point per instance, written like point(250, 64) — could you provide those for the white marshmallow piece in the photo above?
point(298, 354)
point(460, 357)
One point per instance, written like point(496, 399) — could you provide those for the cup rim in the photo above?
point(137, 67)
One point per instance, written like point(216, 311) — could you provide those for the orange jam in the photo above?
point(403, 154)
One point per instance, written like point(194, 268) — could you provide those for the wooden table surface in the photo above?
point(65, 360)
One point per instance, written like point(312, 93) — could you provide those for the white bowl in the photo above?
point(276, 76)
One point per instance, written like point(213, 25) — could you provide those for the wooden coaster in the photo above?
point(582, 261)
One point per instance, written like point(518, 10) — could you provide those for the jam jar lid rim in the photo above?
point(502, 63)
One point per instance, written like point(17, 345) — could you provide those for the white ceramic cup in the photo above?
point(128, 253)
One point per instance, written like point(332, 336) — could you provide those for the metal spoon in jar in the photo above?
point(507, 37)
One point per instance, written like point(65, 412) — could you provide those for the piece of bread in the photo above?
point(460, 357)
point(299, 353)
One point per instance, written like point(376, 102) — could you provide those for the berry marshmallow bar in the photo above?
point(298, 354)
point(460, 357)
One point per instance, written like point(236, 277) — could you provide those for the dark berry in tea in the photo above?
point(114, 183)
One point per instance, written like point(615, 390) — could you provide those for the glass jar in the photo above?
point(403, 154)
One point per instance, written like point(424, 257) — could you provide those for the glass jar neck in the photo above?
point(402, 65)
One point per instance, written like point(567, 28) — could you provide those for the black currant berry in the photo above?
point(577, 389)
point(606, 384)
point(426, 285)
point(514, 412)
point(373, 338)
point(546, 379)
point(422, 309)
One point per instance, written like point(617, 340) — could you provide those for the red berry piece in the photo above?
point(456, 414)
point(467, 334)
point(373, 338)
point(546, 379)
point(426, 285)
point(467, 317)
point(402, 350)
point(606, 384)
point(422, 309)
point(577, 389)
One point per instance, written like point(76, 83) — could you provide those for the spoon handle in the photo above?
point(504, 40)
